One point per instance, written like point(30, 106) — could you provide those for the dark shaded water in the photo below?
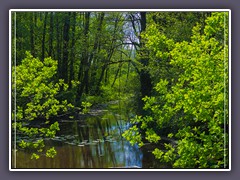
point(92, 141)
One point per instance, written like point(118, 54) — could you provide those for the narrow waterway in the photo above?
point(93, 141)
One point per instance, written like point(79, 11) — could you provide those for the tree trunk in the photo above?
point(95, 51)
point(59, 49)
point(43, 37)
point(32, 34)
point(66, 28)
point(71, 77)
point(84, 66)
point(51, 35)
point(145, 78)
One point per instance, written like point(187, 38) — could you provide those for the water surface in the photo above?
point(92, 141)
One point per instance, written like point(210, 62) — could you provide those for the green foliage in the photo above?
point(36, 96)
point(193, 103)
point(184, 52)
point(35, 156)
point(93, 99)
point(51, 152)
point(86, 106)
point(35, 89)
point(177, 25)
point(133, 136)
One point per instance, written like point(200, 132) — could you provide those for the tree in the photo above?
point(83, 76)
point(193, 104)
point(66, 28)
point(71, 73)
point(37, 94)
point(145, 78)
point(139, 24)
point(51, 35)
point(44, 35)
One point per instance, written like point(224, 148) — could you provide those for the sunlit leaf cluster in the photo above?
point(36, 90)
point(191, 106)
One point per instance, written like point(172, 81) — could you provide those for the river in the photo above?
point(92, 141)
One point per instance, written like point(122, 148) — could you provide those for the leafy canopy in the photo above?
point(193, 103)
point(37, 98)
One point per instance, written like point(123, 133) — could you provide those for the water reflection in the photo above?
point(92, 141)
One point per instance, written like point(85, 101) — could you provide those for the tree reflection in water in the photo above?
point(92, 142)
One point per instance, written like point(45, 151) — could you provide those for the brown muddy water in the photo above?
point(92, 141)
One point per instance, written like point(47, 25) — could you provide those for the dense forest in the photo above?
point(169, 68)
